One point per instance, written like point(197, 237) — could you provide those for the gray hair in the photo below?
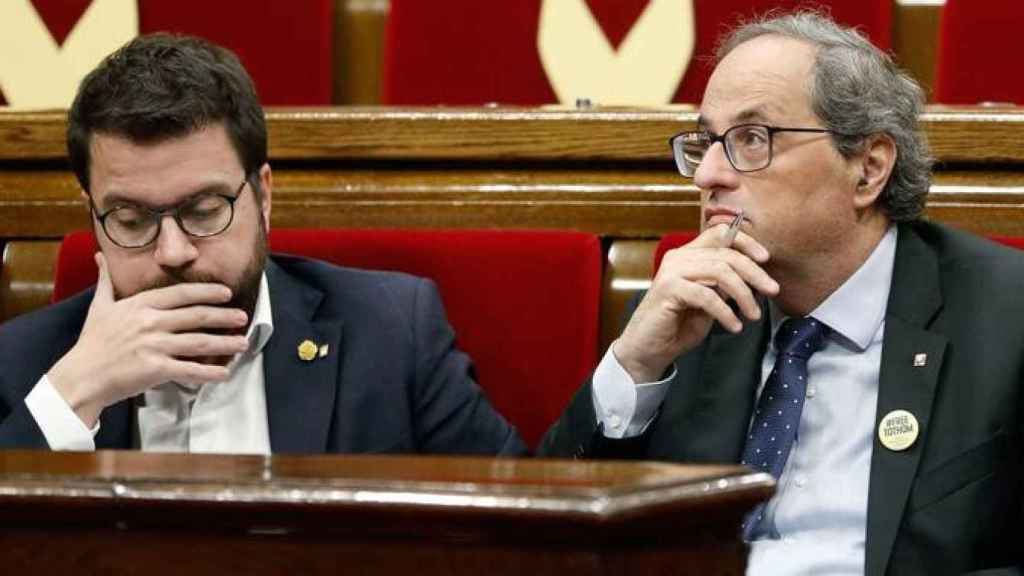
point(857, 91)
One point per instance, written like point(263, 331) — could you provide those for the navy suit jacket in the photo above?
point(952, 502)
point(393, 381)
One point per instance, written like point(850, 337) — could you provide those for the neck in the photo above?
point(806, 283)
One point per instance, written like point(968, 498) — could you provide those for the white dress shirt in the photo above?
point(818, 515)
point(227, 417)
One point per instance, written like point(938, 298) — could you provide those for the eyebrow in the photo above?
point(115, 199)
point(750, 115)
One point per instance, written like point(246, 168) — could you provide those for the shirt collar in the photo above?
point(262, 325)
point(856, 309)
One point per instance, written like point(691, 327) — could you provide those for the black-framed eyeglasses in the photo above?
point(747, 146)
point(202, 216)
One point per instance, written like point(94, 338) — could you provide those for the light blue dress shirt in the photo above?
point(817, 520)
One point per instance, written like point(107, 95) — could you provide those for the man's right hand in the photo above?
point(130, 345)
point(689, 293)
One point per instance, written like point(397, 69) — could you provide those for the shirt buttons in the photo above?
point(811, 391)
point(614, 421)
point(800, 481)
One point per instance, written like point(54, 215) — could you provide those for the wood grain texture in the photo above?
point(509, 135)
point(915, 33)
point(26, 276)
point(605, 171)
point(103, 511)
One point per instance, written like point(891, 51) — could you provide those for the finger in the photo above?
point(729, 284)
point(700, 264)
point(750, 271)
point(185, 294)
point(695, 295)
point(716, 236)
point(104, 287)
point(198, 344)
point(751, 247)
point(194, 373)
point(196, 318)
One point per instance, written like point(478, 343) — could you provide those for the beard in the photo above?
point(244, 292)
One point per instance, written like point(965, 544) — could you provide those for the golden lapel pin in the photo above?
point(307, 350)
point(898, 430)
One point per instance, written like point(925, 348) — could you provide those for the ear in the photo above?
point(874, 165)
point(267, 185)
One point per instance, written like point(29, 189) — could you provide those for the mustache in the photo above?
point(175, 277)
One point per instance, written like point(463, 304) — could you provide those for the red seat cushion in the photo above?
point(286, 46)
point(670, 241)
point(976, 60)
point(524, 304)
point(469, 52)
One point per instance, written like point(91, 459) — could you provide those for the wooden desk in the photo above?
point(136, 513)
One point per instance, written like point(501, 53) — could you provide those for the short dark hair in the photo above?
point(161, 86)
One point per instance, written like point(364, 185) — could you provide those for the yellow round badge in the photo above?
point(898, 430)
point(307, 350)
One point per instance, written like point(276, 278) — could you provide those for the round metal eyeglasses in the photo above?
point(201, 216)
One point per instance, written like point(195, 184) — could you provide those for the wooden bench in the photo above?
point(602, 171)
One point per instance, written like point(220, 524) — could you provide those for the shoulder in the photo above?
point(40, 338)
point(957, 247)
point(63, 317)
point(963, 256)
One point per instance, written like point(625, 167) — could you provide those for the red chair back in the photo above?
point(468, 52)
point(286, 46)
point(977, 53)
point(670, 241)
point(524, 304)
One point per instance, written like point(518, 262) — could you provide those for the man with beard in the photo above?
point(193, 339)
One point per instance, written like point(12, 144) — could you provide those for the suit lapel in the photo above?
point(300, 393)
point(915, 299)
point(712, 429)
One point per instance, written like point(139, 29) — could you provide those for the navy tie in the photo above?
point(777, 417)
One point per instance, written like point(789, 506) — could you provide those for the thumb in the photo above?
point(104, 287)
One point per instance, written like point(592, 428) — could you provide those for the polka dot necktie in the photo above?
point(777, 416)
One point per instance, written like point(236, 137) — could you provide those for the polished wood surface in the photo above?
point(628, 270)
point(26, 276)
point(112, 511)
point(915, 33)
point(959, 134)
point(602, 171)
point(358, 50)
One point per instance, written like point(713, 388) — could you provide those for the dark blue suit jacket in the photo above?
point(952, 503)
point(393, 381)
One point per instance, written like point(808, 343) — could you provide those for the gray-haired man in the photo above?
point(867, 359)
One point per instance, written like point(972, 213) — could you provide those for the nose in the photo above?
point(174, 248)
point(714, 171)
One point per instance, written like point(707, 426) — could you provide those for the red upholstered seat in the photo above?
point(670, 241)
point(976, 60)
point(469, 52)
point(524, 304)
point(285, 45)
